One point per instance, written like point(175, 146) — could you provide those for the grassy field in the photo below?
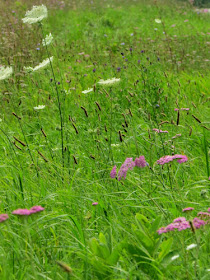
point(62, 132)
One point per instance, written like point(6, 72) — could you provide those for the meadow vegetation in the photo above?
point(106, 142)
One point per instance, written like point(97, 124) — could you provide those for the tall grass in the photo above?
point(61, 156)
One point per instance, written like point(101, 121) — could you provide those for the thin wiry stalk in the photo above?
point(58, 98)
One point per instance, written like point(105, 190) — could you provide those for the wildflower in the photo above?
point(22, 212)
point(43, 64)
point(208, 210)
point(198, 223)
point(175, 257)
point(176, 109)
point(191, 246)
point(140, 162)
point(3, 217)
point(180, 158)
point(187, 209)
point(204, 214)
point(113, 172)
point(37, 14)
point(159, 130)
point(5, 72)
point(161, 230)
point(48, 40)
point(95, 203)
point(39, 107)
point(128, 164)
point(166, 159)
point(87, 91)
point(36, 209)
point(157, 20)
point(109, 81)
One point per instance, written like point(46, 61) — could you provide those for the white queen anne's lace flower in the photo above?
point(43, 64)
point(5, 72)
point(88, 90)
point(175, 257)
point(157, 20)
point(36, 14)
point(48, 40)
point(39, 107)
point(109, 81)
point(191, 246)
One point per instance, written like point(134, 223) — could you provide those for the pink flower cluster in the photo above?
point(159, 130)
point(187, 209)
point(22, 212)
point(128, 164)
point(181, 224)
point(27, 212)
point(167, 159)
point(3, 217)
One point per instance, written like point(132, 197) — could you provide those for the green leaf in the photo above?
point(165, 249)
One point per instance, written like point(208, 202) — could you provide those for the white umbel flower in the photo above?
point(157, 20)
point(36, 14)
point(87, 90)
point(191, 246)
point(28, 69)
point(5, 72)
point(39, 107)
point(43, 64)
point(48, 40)
point(109, 81)
point(175, 257)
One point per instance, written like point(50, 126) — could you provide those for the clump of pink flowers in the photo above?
point(181, 223)
point(27, 212)
point(128, 164)
point(187, 209)
point(167, 159)
point(3, 217)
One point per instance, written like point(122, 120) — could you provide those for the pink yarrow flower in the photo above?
point(167, 159)
point(208, 210)
point(181, 224)
point(113, 172)
point(140, 162)
point(26, 212)
point(95, 203)
point(204, 214)
point(36, 209)
point(22, 212)
point(3, 217)
point(187, 209)
point(128, 164)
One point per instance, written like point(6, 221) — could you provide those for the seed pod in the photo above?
point(98, 105)
point(83, 108)
point(177, 121)
point(19, 141)
point(43, 133)
point(120, 135)
point(44, 158)
point(75, 160)
point(196, 118)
